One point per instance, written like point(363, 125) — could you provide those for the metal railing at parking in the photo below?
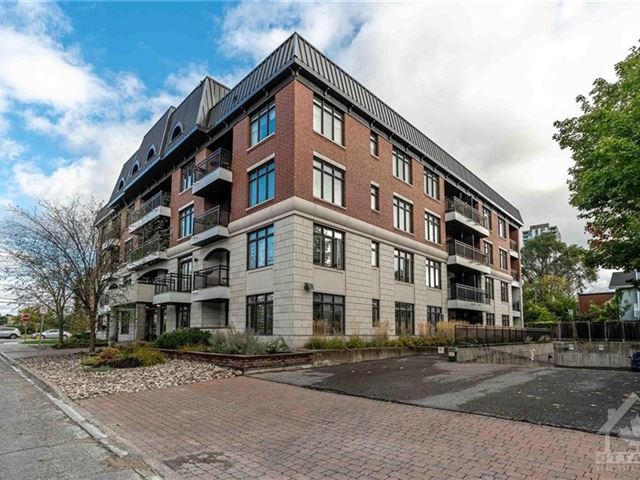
point(488, 335)
point(613, 331)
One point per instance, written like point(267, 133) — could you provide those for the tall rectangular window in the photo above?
point(328, 247)
point(186, 222)
point(404, 318)
point(502, 227)
point(263, 122)
point(504, 292)
point(403, 266)
point(327, 120)
point(375, 197)
point(125, 321)
point(491, 319)
point(402, 215)
point(183, 316)
point(401, 166)
point(431, 184)
point(434, 273)
point(488, 288)
point(488, 251)
point(505, 320)
point(375, 254)
point(432, 228)
point(186, 175)
point(373, 144)
point(260, 314)
point(185, 268)
point(260, 248)
point(375, 312)
point(328, 313)
point(503, 260)
point(434, 314)
point(262, 183)
point(486, 215)
point(328, 182)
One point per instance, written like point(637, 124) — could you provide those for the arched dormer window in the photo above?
point(121, 184)
point(177, 130)
point(151, 153)
point(135, 169)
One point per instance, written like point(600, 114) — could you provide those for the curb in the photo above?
point(81, 418)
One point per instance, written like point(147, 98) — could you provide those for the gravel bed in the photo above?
point(79, 382)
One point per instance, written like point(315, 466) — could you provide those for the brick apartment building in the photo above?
point(298, 200)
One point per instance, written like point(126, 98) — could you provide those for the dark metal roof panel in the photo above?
point(622, 279)
point(154, 138)
point(124, 174)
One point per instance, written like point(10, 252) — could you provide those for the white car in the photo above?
point(9, 332)
point(53, 333)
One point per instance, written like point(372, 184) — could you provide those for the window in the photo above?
point(431, 184)
point(503, 260)
point(486, 215)
point(120, 184)
point(176, 132)
point(402, 215)
point(375, 312)
point(263, 123)
point(491, 319)
point(328, 182)
point(505, 320)
point(327, 120)
point(403, 266)
point(328, 311)
point(260, 313)
point(328, 247)
point(135, 169)
point(124, 323)
point(504, 292)
point(262, 183)
point(186, 177)
point(488, 288)
point(434, 314)
point(183, 316)
point(260, 248)
point(488, 251)
point(375, 254)
point(373, 144)
point(186, 222)
point(375, 197)
point(433, 273)
point(432, 228)
point(151, 153)
point(502, 227)
point(185, 268)
point(404, 318)
point(401, 166)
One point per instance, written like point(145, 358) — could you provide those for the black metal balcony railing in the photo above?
point(468, 294)
point(111, 233)
point(160, 199)
point(211, 277)
point(454, 204)
point(154, 245)
point(513, 244)
point(212, 218)
point(221, 158)
point(516, 306)
point(172, 282)
point(462, 249)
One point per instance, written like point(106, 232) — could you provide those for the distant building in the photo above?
point(586, 301)
point(537, 230)
point(630, 301)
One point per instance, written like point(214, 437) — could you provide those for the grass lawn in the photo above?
point(45, 341)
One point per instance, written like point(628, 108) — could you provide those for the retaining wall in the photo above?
point(607, 355)
point(522, 354)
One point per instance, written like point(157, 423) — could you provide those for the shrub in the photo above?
point(326, 343)
point(126, 362)
point(278, 346)
point(544, 339)
point(356, 342)
point(184, 336)
point(91, 361)
point(238, 343)
point(147, 356)
point(108, 354)
point(195, 348)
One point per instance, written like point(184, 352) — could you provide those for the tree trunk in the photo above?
point(92, 331)
point(60, 318)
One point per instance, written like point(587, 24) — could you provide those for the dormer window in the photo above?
point(151, 153)
point(135, 169)
point(177, 131)
point(121, 184)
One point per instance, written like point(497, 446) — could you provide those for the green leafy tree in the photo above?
point(548, 299)
point(605, 179)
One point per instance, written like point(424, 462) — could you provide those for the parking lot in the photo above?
point(570, 398)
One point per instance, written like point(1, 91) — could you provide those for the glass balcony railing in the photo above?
point(160, 199)
point(221, 158)
point(154, 245)
point(454, 204)
point(217, 216)
point(464, 250)
point(468, 294)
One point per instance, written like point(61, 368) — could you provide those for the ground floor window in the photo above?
point(124, 323)
point(404, 318)
point(434, 314)
point(375, 312)
point(491, 319)
point(260, 313)
point(183, 316)
point(328, 314)
point(505, 320)
point(102, 324)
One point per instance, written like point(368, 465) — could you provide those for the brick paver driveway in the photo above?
point(249, 428)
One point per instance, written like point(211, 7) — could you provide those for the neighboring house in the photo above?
point(298, 201)
point(586, 301)
point(623, 282)
point(537, 230)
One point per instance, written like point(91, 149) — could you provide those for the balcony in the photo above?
point(465, 217)
point(210, 226)
point(172, 288)
point(213, 175)
point(513, 248)
point(516, 308)
point(211, 284)
point(137, 292)
point(464, 297)
point(515, 274)
point(110, 237)
point(156, 207)
point(152, 251)
point(464, 255)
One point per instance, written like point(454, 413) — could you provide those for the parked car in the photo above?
point(53, 333)
point(9, 332)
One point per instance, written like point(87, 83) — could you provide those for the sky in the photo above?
point(81, 82)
